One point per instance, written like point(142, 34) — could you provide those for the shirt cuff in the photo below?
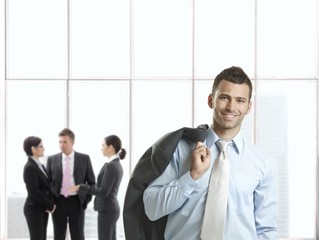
point(187, 183)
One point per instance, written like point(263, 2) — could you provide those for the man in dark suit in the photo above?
point(66, 169)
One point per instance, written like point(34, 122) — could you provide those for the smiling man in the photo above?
point(231, 101)
point(181, 192)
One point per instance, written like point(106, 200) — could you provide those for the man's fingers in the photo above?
point(198, 144)
point(208, 152)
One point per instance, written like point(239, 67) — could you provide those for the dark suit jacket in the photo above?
point(82, 172)
point(106, 189)
point(40, 191)
point(152, 164)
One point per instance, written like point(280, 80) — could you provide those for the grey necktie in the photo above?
point(217, 196)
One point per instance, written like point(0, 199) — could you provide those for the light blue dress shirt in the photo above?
point(252, 201)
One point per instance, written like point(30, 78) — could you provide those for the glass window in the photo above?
point(36, 39)
point(158, 107)
point(223, 36)
point(287, 37)
point(33, 108)
point(286, 123)
point(162, 42)
point(99, 39)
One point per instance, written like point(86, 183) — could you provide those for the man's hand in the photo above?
point(201, 157)
point(75, 188)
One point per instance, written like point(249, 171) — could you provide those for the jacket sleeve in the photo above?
point(110, 177)
point(89, 180)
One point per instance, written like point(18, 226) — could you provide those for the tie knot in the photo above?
point(222, 144)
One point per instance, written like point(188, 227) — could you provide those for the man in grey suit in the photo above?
point(66, 169)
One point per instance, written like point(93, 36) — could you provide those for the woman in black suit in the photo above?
point(106, 189)
point(39, 201)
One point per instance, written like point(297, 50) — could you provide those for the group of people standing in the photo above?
point(66, 185)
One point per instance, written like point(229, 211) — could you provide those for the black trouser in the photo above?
point(68, 210)
point(107, 225)
point(37, 224)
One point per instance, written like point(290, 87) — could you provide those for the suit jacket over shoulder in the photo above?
point(152, 164)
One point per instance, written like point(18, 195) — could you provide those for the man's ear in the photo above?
point(210, 101)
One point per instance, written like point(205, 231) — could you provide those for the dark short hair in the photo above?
point(67, 132)
point(116, 142)
point(29, 142)
point(235, 75)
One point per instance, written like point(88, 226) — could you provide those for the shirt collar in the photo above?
point(238, 141)
point(211, 138)
point(112, 158)
point(71, 155)
point(37, 162)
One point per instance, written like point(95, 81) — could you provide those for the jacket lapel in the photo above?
point(59, 166)
point(34, 164)
point(76, 162)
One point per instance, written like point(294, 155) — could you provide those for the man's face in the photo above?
point(66, 144)
point(230, 104)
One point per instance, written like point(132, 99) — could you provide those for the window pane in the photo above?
point(224, 36)
point(162, 38)
point(36, 39)
point(286, 127)
point(99, 109)
point(99, 39)
point(202, 112)
point(158, 107)
point(287, 37)
point(33, 108)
